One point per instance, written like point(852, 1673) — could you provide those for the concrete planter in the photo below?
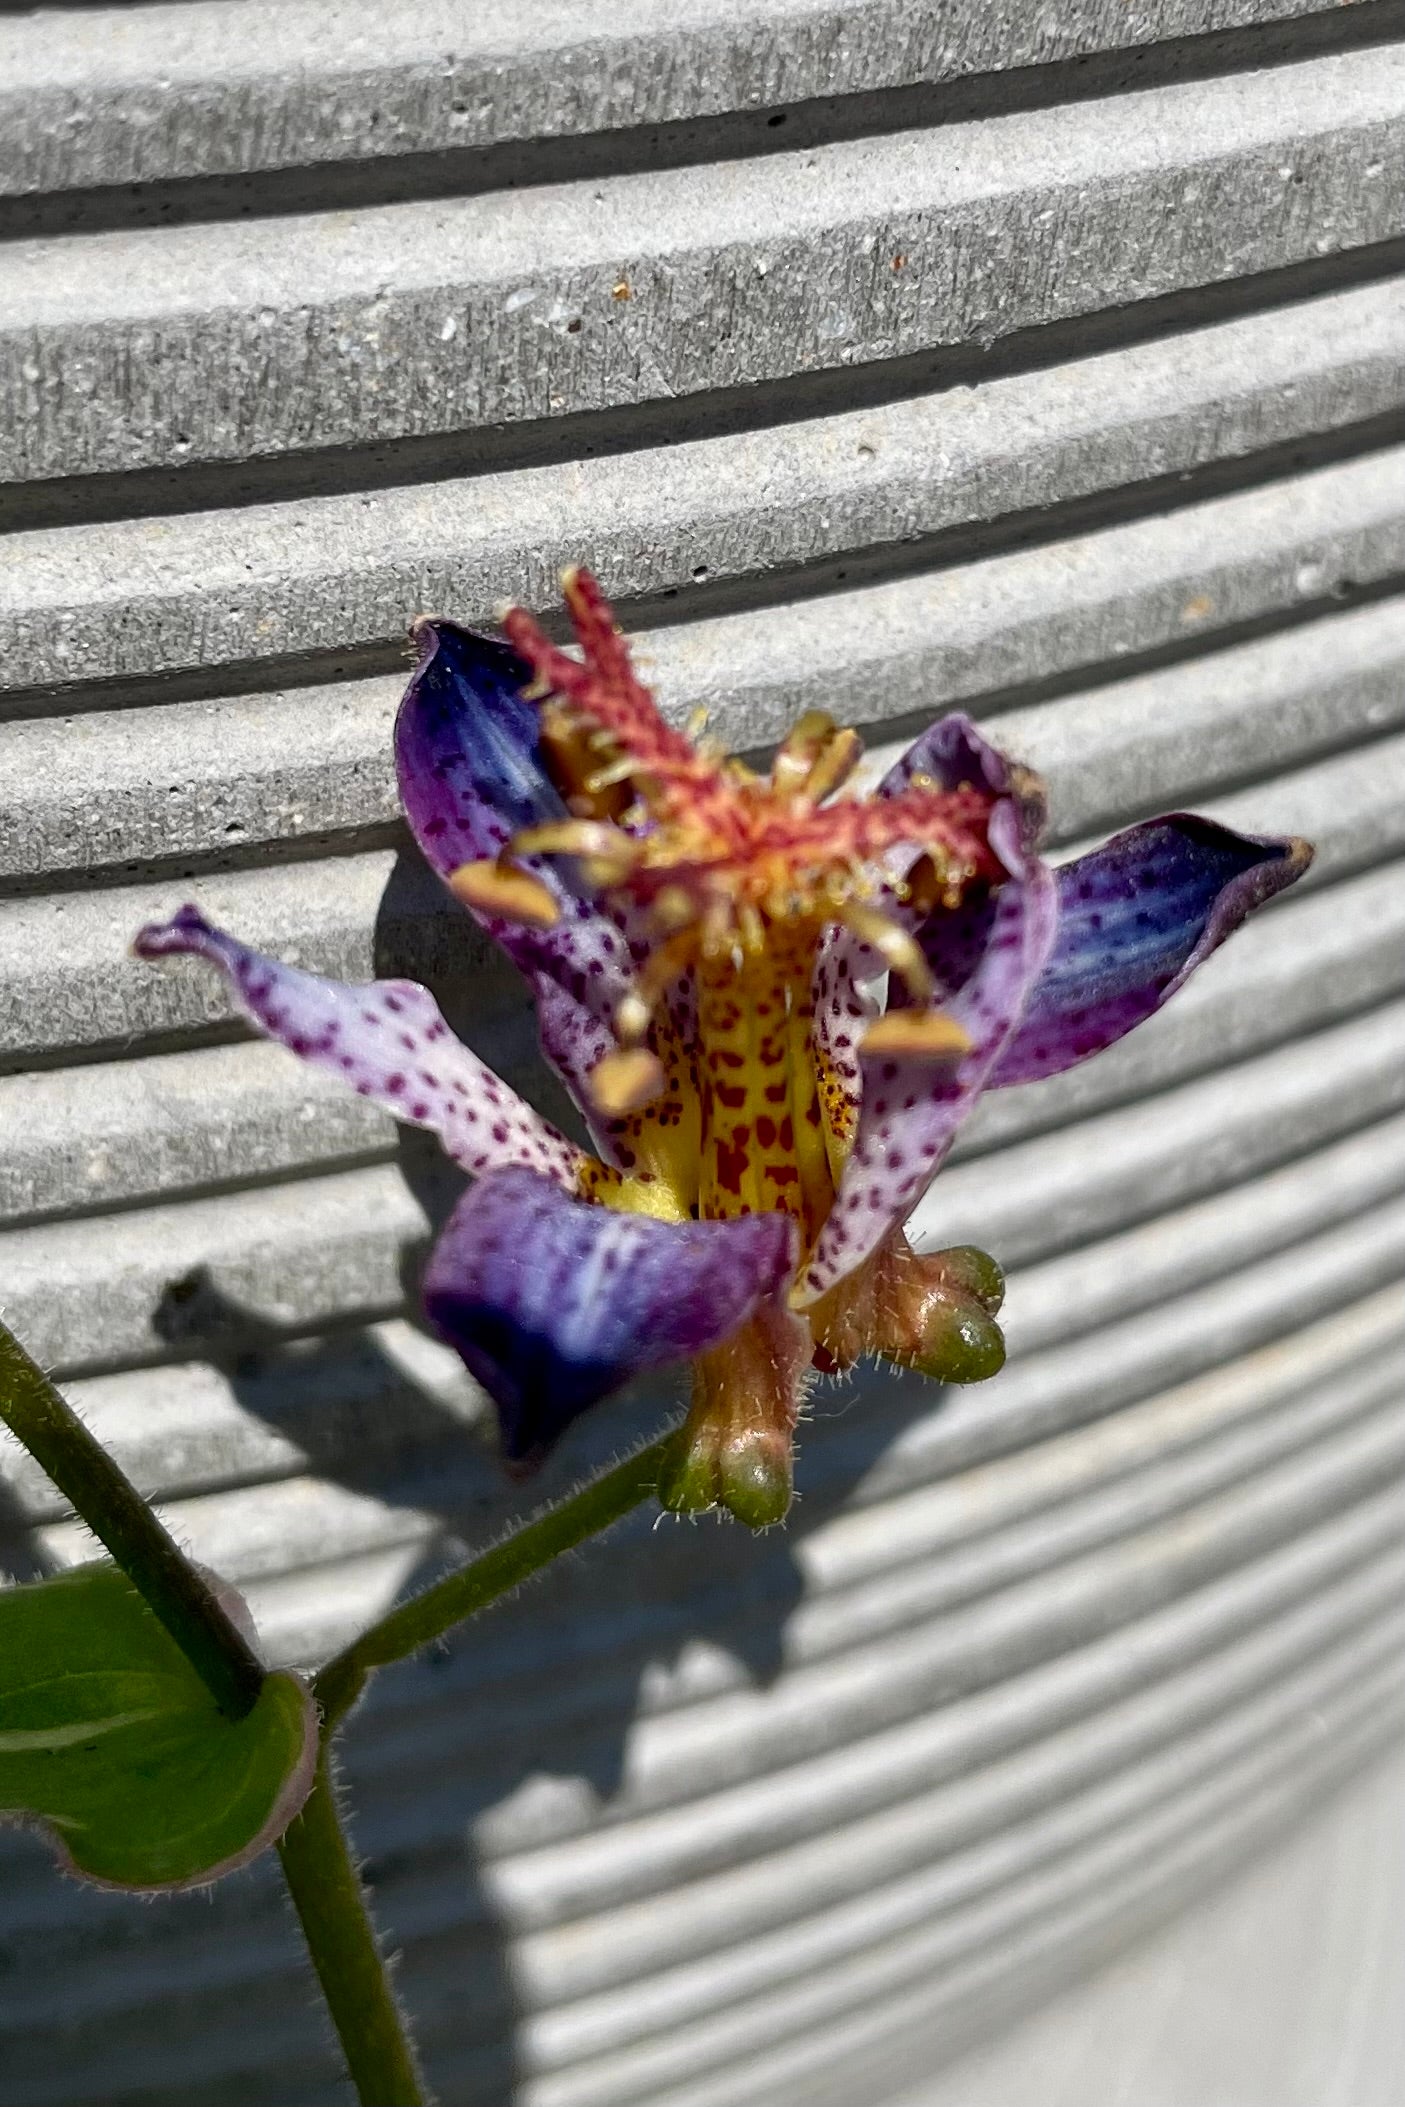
point(886, 356)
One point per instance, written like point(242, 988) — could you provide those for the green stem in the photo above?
point(326, 1891)
point(426, 1617)
point(331, 1906)
point(119, 1517)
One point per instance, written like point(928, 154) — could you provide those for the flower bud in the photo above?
point(933, 1311)
point(971, 1271)
point(734, 1448)
point(961, 1343)
point(747, 1470)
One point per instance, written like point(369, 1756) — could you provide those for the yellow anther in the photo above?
point(633, 1016)
point(496, 888)
point(799, 750)
point(901, 953)
point(607, 853)
point(751, 930)
point(619, 771)
point(626, 1081)
point(919, 1034)
point(568, 837)
point(635, 1010)
point(674, 907)
point(834, 766)
point(718, 934)
point(815, 757)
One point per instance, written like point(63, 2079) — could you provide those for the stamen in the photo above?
point(814, 758)
point(635, 1011)
point(496, 888)
point(622, 771)
point(900, 952)
point(751, 930)
point(921, 1034)
point(835, 765)
point(799, 750)
point(571, 754)
point(606, 852)
point(625, 1081)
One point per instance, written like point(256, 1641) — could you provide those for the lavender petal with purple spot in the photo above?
point(553, 1303)
point(467, 753)
point(386, 1040)
point(913, 1108)
point(952, 753)
point(1135, 918)
point(843, 1006)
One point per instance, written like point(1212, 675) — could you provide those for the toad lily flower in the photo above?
point(703, 944)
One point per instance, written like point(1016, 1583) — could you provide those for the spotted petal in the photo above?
point(553, 1303)
point(913, 1107)
point(468, 757)
point(387, 1040)
point(951, 753)
point(1135, 918)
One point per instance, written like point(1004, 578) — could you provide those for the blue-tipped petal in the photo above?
point(386, 1040)
point(468, 758)
point(1135, 918)
point(467, 748)
point(553, 1303)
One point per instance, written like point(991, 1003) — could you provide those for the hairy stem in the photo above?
point(331, 1906)
point(496, 1572)
point(120, 1518)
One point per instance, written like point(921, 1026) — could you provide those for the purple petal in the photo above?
point(467, 753)
point(953, 752)
point(912, 1108)
point(467, 748)
point(388, 1041)
point(1135, 918)
point(553, 1303)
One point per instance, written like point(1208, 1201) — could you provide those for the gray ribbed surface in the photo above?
point(1076, 396)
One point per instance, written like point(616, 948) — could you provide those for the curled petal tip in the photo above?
point(181, 932)
point(626, 1081)
point(424, 639)
point(495, 888)
point(923, 1034)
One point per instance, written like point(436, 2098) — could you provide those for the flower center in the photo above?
point(725, 881)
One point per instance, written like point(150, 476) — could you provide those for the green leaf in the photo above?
point(109, 1738)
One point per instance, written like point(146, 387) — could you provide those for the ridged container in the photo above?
point(885, 356)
